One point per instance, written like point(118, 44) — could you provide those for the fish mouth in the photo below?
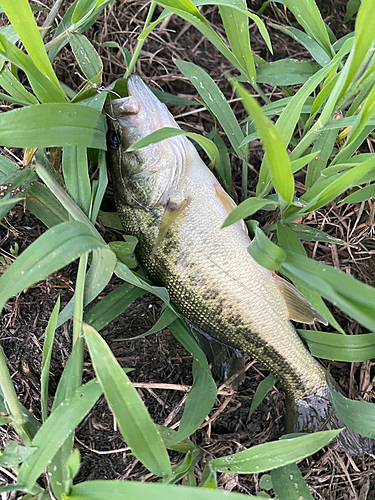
point(140, 109)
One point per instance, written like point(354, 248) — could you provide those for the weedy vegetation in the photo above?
point(326, 115)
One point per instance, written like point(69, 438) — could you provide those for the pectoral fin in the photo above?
point(171, 213)
point(299, 307)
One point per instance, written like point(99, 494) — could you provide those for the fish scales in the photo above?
point(173, 204)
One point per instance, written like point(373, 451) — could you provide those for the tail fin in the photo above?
point(317, 413)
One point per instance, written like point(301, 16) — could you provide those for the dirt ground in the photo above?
point(159, 359)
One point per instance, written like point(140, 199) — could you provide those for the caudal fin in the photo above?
point(317, 413)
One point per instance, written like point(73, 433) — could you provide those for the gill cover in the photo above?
point(148, 176)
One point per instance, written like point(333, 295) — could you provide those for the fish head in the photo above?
point(144, 177)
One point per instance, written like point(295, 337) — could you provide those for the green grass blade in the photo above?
point(188, 11)
point(81, 9)
point(222, 163)
point(166, 318)
point(20, 15)
point(308, 233)
point(249, 207)
point(157, 136)
point(98, 192)
point(357, 415)
point(286, 72)
point(352, 296)
point(44, 205)
point(216, 102)
point(18, 179)
point(38, 127)
point(119, 490)
point(308, 16)
point(269, 456)
point(124, 251)
point(315, 49)
point(203, 393)
point(287, 122)
point(364, 194)
point(288, 483)
point(76, 176)
point(346, 180)
point(112, 305)
point(88, 59)
point(53, 433)
point(56, 248)
point(364, 39)
point(266, 253)
point(46, 359)
point(367, 111)
point(15, 89)
point(127, 275)
point(132, 417)
point(168, 132)
point(236, 26)
point(348, 348)
point(169, 437)
point(324, 144)
point(103, 264)
point(261, 392)
point(279, 164)
point(44, 89)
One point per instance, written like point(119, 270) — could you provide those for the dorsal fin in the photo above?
point(299, 307)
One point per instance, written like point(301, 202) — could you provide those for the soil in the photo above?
point(160, 359)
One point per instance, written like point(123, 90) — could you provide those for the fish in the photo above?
point(171, 201)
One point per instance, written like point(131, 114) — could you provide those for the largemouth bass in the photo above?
point(169, 199)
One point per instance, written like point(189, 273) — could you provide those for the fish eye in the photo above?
point(114, 139)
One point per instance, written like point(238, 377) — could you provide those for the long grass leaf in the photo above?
point(118, 490)
point(52, 434)
point(14, 87)
point(352, 296)
point(364, 39)
point(44, 205)
point(20, 15)
point(261, 392)
point(286, 72)
point(249, 207)
point(44, 89)
point(49, 125)
point(203, 393)
point(349, 348)
point(132, 417)
point(188, 11)
point(236, 26)
point(338, 186)
point(76, 176)
point(308, 16)
point(215, 101)
point(88, 59)
point(288, 483)
point(97, 277)
point(46, 359)
point(279, 163)
point(56, 248)
point(364, 194)
point(357, 415)
point(316, 51)
point(272, 455)
point(112, 305)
